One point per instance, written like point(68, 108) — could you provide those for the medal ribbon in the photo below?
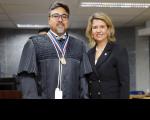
point(53, 39)
point(63, 54)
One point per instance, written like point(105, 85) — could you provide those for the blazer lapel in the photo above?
point(92, 57)
point(105, 54)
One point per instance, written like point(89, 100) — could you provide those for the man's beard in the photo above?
point(60, 29)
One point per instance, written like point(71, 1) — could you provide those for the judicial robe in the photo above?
point(38, 69)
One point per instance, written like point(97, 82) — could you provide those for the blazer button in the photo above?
point(98, 93)
point(90, 81)
point(99, 81)
point(90, 94)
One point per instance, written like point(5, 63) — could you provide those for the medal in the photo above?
point(58, 93)
point(63, 60)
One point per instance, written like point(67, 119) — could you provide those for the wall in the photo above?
point(11, 44)
point(142, 62)
point(126, 37)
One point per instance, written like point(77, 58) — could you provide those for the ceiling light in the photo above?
point(115, 5)
point(31, 26)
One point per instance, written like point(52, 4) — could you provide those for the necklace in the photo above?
point(98, 53)
point(99, 50)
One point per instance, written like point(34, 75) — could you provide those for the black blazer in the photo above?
point(110, 76)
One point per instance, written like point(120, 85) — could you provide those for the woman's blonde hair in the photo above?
point(107, 20)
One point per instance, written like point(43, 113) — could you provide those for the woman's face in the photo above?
point(100, 31)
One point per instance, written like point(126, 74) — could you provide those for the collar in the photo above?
point(108, 46)
point(64, 36)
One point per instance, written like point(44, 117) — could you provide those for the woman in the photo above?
point(110, 76)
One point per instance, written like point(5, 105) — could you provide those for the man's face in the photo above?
point(58, 20)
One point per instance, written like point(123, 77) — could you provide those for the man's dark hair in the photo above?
point(59, 4)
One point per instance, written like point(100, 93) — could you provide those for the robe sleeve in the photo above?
point(28, 59)
point(28, 87)
point(85, 69)
point(28, 71)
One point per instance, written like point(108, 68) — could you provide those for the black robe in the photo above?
point(38, 69)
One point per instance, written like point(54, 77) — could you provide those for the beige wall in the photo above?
point(142, 62)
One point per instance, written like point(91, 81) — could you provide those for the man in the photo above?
point(54, 66)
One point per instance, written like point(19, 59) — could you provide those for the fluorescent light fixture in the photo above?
point(31, 26)
point(115, 5)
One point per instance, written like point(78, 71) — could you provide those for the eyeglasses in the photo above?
point(57, 16)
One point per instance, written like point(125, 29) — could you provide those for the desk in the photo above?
point(9, 83)
point(146, 97)
point(8, 88)
point(10, 94)
point(139, 97)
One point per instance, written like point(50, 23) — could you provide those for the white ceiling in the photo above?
point(14, 12)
